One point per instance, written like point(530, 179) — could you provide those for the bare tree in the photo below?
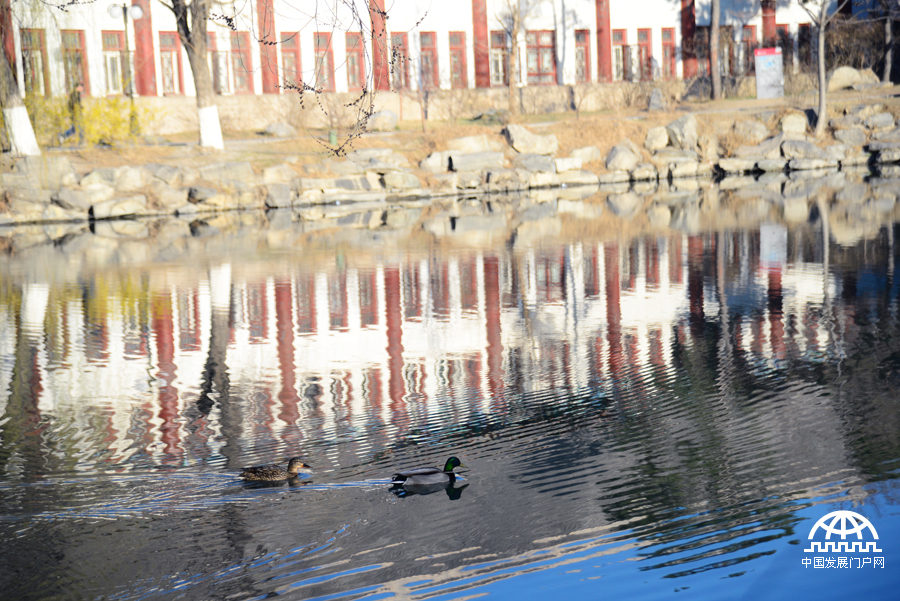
point(818, 13)
point(715, 74)
point(890, 12)
point(18, 125)
point(512, 16)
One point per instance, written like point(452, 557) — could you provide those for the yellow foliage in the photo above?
point(104, 121)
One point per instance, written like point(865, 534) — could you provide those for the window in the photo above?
point(240, 62)
point(619, 55)
point(499, 66)
point(170, 63)
point(34, 61)
point(74, 63)
point(458, 75)
point(290, 60)
point(668, 49)
point(113, 62)
point(582, 56)
point(748, 45)
point(356, 74)
point(645, 54)
point(429, 62)
point(324, 62)
point(399, 61)
point(541, 56)
point(218, 66)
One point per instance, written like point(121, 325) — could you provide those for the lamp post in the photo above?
point(135, 12)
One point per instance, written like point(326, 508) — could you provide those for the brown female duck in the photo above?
point(273, 472)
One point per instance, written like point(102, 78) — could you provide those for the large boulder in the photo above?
point(854, 136)
point(684, 132)
point(526, 142)
point(657, 101)
point(536, 163)
point(657, 138)
point(842, 78)
point(797, 149)
point(623, 157)
point(475, 161)
point(794, 122)
point(385, 120)
point(751, 130)
point(482, 143)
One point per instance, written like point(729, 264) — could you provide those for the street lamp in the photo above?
point(135, 12)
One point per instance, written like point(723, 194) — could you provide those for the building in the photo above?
point(270, 46)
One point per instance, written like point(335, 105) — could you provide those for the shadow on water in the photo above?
point(660, 412)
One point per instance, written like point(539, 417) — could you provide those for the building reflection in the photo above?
point(269, 356)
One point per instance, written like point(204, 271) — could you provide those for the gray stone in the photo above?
point(772, 165)
point(524, 141)
point(278, 174)
point(644, 172)
point(443, 183)
point(657, 138)
point(482, 143)
point(167, 196)
point(543, 180)
point(475, 161)
point(569, 164)
point(622, 157)
point(854, 136)
point(401, 180)
point(879, 121)
point(167, 173)
point(887, 136)
point(385, 120)
point(278, 196)
point(577, 177)
point(888, 156)
point(436, 162)
point(536, 163)
point(685, 169)
point(752, 130)
point(625, 205)
point(843, 77)
point(120, 207)
point(280, 130)
point(469, 180)
point(587, 154)
point(201, 193)
point(861, 158)
point(795, 149)
point(46, 171)
point(657, 101)
point(836, 152)
point(72, 200)
point(98, 192)
point(103, 175)
point(794, 123)
point(128, 179)
point(845, 122)
point(737, 165)
point(809, 163)
point(877, 146)
point(614, 177)
point(684, 132)
point(770, 149)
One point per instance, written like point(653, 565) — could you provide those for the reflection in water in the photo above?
point(679, 400)
point(453, 492)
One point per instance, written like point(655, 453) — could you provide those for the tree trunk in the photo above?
point(888, 49)
point(15, 116)
point(821, 117)
point(715, 73)
point(513, 68)
point(193, 38)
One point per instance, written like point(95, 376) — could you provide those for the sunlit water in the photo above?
point(640, 417)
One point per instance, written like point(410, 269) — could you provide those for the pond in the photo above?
point(640, 414)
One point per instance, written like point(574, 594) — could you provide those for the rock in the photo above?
point(278, 174)
point(737, 165)
point(644, 172)
point(657, 101)
point(223, 173)
point(807, 164)
point(770, 149)
point(482, 143)
point(614, 177)
point(854, 136)
point(846, 121)
point(200, 193)
point(128, 179)
point(625, 205)
point(622, 157)
point(569, 164)
point(888, 156)
point(72, 200)
point(401, 180)
point(98, 192)
point(684, 169)
point(536, 163)
point(525, 142)
point(120, 207)
point(436, 162)
point(280, 130)
point(836, 152)
point(475, 161)
point(578, 177)
point(752, 130)
point(587, 154)
point(46, 171)
point(278, 196)
point(794, 122)
point(167, 196)
point(543, 180)
point(843, 77)
point(443, 183)
point(167, 173)
point(684, 132)
point(103, 175)
point(772, 165)
point(469, 180)
point(667, 156)
point(657, 138)
point(795, 149)
point(861, 158)
point(879, 121)
point(385, 120)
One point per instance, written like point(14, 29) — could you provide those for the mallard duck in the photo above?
point(275, 472)
point(425, 476)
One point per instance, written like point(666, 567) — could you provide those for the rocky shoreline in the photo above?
point(48, 190)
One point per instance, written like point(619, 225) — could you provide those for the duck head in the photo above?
point(296, 465)
point(453, 462)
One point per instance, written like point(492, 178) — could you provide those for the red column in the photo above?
point(164, 328)
point(688, 30)
point(482, 49)
point(267, 39)
point(6, 33)
point(394, 322)
point(380, 46)
point(768, 23)
point(492, 324)
point(284, 323)
point(604, 41)
point(144, 57)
